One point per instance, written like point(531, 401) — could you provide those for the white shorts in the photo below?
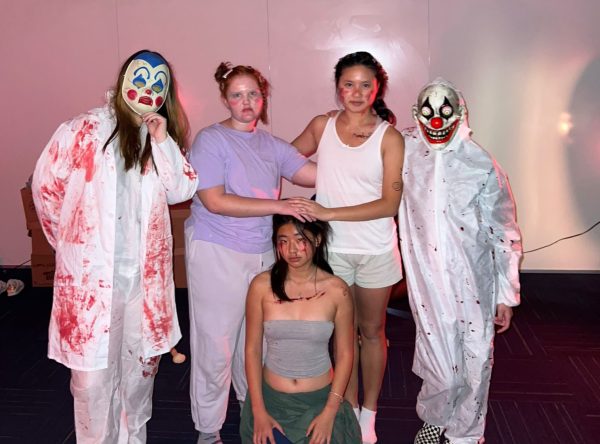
point(368, 270)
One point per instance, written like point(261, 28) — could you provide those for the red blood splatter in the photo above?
point(78, 228)
point(91, 302)
point(88, 162)
point(71, 307)
point(54, 192)
point(147, 168)
point(84, 149)
point(302, 247)
point(160, 318)
point(158, 308)
point(53, 151)
point(150, 366)
point(189, 171)
point(47, 224)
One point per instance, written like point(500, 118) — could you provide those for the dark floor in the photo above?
point(545, 389)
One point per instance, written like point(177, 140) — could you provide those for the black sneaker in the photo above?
point(429, 434)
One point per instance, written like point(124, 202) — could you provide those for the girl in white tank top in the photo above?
point(350, 176)
point(359, 186)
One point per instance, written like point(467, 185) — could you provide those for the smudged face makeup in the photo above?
point(146, 83)
point(357, 88)
point(244, 99)
point(438, 114)
point(294, 247)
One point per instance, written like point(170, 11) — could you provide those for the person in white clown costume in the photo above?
point(461, 248)
point(101, 188)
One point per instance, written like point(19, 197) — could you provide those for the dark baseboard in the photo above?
point(21, 273)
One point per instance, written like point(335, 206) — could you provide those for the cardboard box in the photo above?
point(179, 213)
point(39, 244)
point(179, 275)
point(42, 254)
point(42, 270)
point(31, 218)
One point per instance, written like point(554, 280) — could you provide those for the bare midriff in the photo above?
point(297, 385)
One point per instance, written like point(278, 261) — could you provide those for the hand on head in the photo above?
point(309, 209)
point(294, 207)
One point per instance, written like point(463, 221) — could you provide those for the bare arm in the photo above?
point(308, 141)
point(344, 341)
point(321, 427)
point(263, 422)
point(306, 176)
point(391, 192)
point(217, 201)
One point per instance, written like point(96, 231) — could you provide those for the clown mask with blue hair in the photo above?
point(146, 83)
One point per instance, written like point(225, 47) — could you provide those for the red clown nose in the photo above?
point(436, 123)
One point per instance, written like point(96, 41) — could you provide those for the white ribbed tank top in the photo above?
point(348, 176)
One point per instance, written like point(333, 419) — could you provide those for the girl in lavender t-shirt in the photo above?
point(228, 236)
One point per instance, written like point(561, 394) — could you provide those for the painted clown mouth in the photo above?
point(439, 136)
point(145, 100)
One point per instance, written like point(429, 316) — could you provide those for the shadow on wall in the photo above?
point(583, 146)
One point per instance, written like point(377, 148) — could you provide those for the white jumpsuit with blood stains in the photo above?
point(461, 249)
point(113, 312)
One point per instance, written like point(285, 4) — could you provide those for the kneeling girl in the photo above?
point(298, 305)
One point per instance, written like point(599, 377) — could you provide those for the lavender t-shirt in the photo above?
point(248, 164)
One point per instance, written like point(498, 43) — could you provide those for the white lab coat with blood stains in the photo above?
point(74, 189)
point(461, 248)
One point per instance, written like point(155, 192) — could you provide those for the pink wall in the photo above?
point(59, 57)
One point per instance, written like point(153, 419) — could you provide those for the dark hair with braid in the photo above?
point(226, 71)
point(365, 59)
point(319, 231)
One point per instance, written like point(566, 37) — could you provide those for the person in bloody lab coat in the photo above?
point(461, 248)
point(101, 188)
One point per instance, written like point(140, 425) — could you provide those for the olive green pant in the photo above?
point(295, 411)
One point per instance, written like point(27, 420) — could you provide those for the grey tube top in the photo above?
point(298, 349)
